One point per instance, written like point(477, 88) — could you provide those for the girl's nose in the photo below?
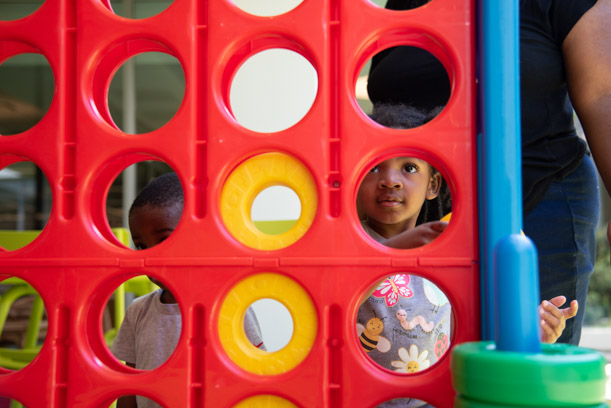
point(390, 179)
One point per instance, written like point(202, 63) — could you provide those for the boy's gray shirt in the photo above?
point(150, 331)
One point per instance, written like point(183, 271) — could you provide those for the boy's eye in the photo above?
point(375, 169)
point(162, 239)
point(410, 168)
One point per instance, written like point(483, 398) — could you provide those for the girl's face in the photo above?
point(393, 192)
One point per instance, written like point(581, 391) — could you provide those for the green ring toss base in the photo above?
point(560, 376)
point(465, 403)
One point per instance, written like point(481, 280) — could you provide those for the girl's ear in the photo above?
point(434, 186)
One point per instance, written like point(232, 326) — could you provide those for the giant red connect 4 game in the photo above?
point(215, 262)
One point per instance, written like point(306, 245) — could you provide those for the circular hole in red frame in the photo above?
point(117, 185)
point(267, 8)
point(264, 49)
point(145, 103)
point(134, 400)
point(273, 90)
point(115, 306)
point(137, 9)
point(25, 327)
point(404, 5)
point(404, 402)
point(403, 324)
point(147, 302)
point(16, 10)
point(403, 67)
point(401, 200)
point(27, 87)
point(146, 92)
point(25, 202)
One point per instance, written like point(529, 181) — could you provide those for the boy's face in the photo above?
point(393, 192)
point(150, 226)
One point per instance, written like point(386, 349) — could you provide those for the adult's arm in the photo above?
point(587, 56)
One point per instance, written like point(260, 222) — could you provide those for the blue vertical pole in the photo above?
point(508, 314)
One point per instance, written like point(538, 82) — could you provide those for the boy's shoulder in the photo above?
point(144, 301)
point(149, 295)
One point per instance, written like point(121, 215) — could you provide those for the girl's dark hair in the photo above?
point(163, 191)
point(400, 116)
point(435, 209)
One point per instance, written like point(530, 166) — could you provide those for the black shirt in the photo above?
point(551, 148)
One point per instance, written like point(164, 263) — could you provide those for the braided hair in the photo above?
point(400, 116)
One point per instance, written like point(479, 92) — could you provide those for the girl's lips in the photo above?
point(389, 201)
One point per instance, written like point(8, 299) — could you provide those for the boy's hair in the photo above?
point(400, 116)
point(163, 191)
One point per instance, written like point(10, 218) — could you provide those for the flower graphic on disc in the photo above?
point(411, 362)
point(393, 287)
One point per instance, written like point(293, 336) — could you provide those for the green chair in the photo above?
point(17, 288)
point(17, 358)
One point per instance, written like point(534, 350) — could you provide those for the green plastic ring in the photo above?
point(561, 375)
point(466, 403)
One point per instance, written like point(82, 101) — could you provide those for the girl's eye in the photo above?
point(410, 168)
point(375, 169)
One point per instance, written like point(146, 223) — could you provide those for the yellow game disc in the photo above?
point(265, 401)
point(231, 323)
point(252, 177)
